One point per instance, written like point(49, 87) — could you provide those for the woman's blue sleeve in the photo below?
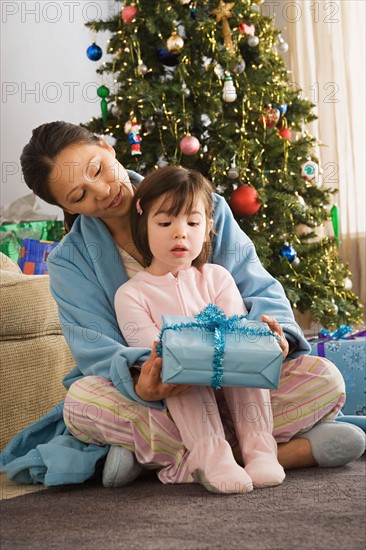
point(89, 323)
point(262, 294)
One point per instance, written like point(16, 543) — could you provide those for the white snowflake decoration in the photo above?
point(334, 346)
point(355, 357)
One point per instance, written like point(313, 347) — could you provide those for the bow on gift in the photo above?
point(341, 332)
point(213, 319)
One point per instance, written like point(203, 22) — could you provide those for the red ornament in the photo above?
point(285, 133)
point(189, 145)
point(129, 13)
point(244, 201)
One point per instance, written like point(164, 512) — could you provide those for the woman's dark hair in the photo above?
point(38, 157)
point(182, 188)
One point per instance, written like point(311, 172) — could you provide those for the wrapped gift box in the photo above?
point(12, 235)
point(349, 355)
point(249, 360)
point(33, 256)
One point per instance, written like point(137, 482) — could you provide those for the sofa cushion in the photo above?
point(27, 307)
point(34, 356)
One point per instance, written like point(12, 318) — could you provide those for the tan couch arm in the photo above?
point(34, 356)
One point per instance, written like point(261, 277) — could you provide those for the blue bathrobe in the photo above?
point(85, 272)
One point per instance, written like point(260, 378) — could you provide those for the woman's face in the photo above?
point(87, 179)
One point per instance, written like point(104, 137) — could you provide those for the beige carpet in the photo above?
point(9, 489)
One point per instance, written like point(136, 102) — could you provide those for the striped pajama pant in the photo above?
point(311, 390)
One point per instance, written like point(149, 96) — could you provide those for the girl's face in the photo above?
point(175, 241)
point(87, 179)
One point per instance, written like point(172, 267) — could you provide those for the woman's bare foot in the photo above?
point(293, 454)
point(296, 453)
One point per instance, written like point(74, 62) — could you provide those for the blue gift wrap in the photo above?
point(33, 256)
point(240, 354)
point(349, 355)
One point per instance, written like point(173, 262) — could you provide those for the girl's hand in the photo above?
point(275, 326)
point(149, 386)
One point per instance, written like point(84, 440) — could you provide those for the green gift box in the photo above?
point(12, 235)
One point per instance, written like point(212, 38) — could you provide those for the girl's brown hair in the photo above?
point(181, 187)
point(38, 157)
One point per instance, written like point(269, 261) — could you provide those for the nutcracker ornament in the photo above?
point(135, 138)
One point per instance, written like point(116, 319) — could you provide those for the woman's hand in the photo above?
point(275, 326)
point(149, 386)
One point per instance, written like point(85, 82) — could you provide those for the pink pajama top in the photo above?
point(141, 301)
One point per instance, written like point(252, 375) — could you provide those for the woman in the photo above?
point(68, 166)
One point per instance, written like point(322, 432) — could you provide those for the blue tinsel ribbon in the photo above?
point(213, 319)
point(341, 332)
point(325, 335)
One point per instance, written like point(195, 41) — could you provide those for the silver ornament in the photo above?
point(253, 41)
point(141, 68)
point(347, 283)
point(186, 91)
point(283, 47)
point(233, 173)
point(241, 67)
point(149, 124)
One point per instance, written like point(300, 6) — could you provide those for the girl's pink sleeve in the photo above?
point(226, 294)
point(135, 323)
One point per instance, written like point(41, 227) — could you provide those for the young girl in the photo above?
point(68, 166)
point(171, 220)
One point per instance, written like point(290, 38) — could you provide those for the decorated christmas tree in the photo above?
point(204, 85)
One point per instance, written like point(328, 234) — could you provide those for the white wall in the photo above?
point(46, 74)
